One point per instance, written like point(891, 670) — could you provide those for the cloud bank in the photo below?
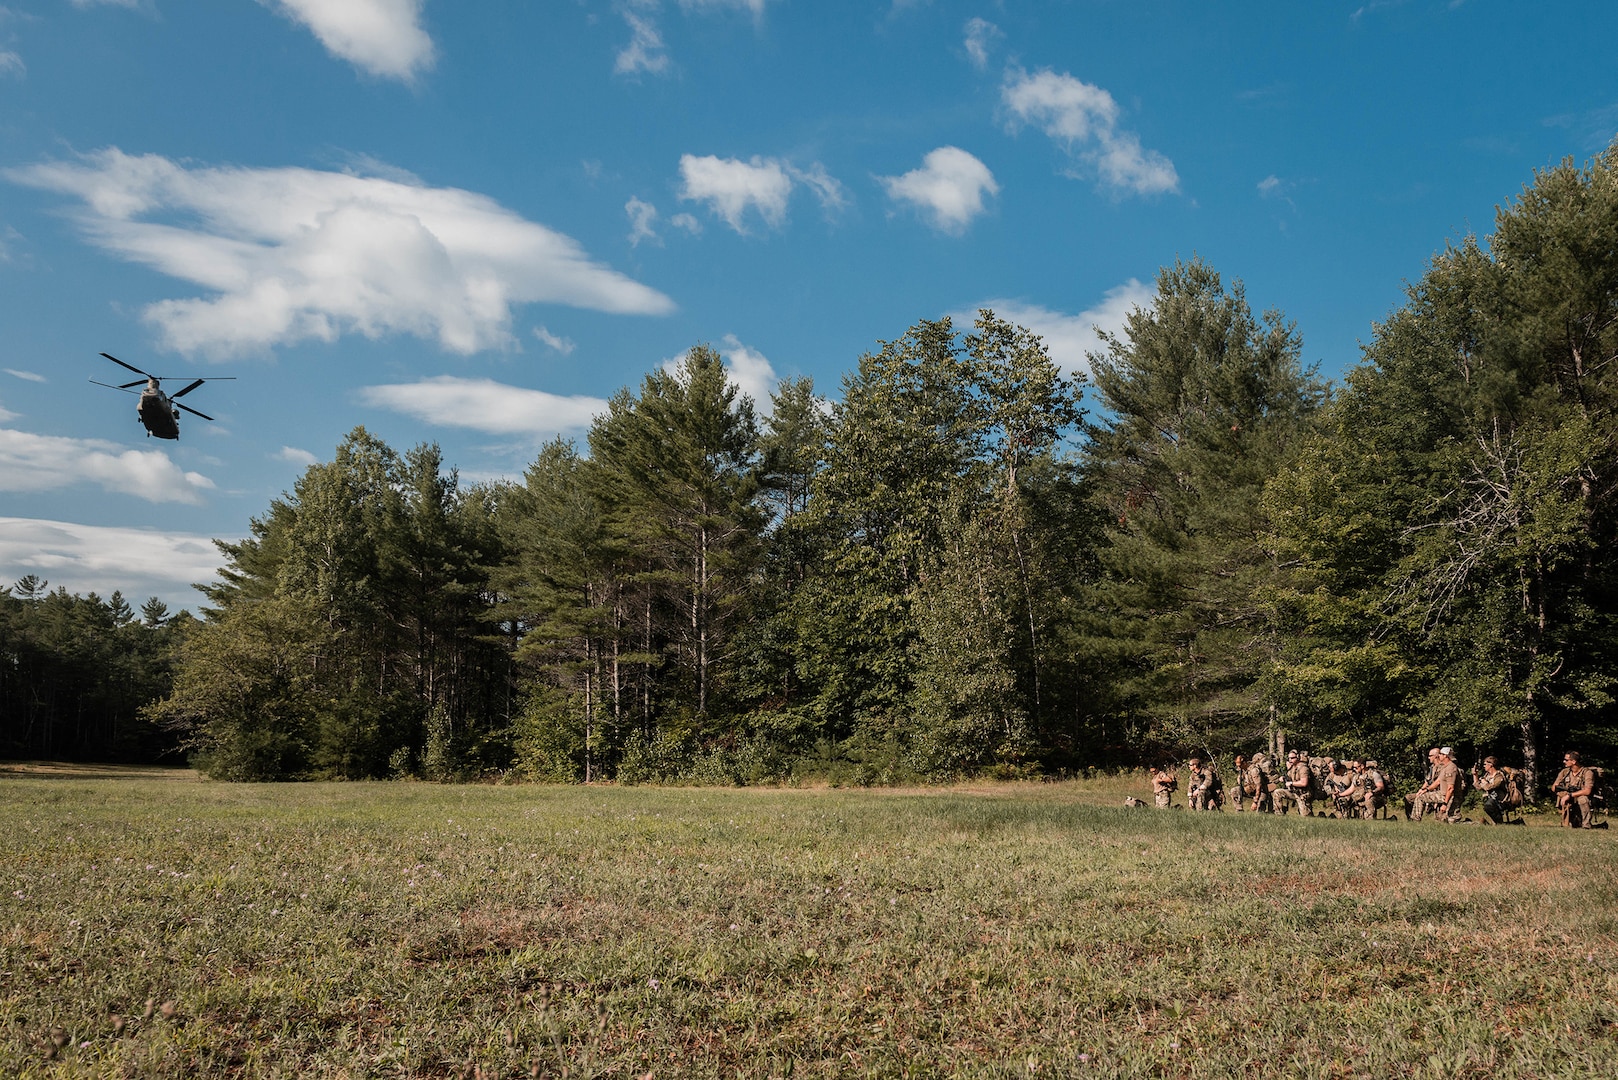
point(295, 254)
point(486, 405)
point(30, 462)
point(1084, 119)
point(100, 559)
point(948, 189)
point(382, 37)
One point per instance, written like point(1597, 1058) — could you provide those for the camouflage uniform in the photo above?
point(1300, 787)
point(1493, 786)
point(1569, 780)
point(1446, 779)
point(1344, 789)
point(1163, 785)
point(1256, 784)
point(1203, 789)
point(1374, 791)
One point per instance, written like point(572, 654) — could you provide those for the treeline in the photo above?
point(954, 569)
point(76, 672)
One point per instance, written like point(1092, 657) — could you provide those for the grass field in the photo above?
point(153, 924)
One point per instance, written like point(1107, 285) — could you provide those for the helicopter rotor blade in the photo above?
point(120, 363)
point(109, 386)
point(188, 389)
point(190, 410)
point(127, 385)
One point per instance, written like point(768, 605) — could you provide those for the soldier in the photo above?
point(1441, 791)
point(1243, 791)
point(1163, 784)
point(1432, 774)
point(1573, 787)
point(1492, 782)
point(1342, 784)
point(1203, 788)
point(1300, 784)
point(1265, 782)
point(1374, 789)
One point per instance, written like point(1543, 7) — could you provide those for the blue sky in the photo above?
point(470, 223)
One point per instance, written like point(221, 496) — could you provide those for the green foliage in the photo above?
point(1453, 527)
point(1204, 405)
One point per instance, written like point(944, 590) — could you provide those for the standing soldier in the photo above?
point(1243, 791)
point(1203, 789)
point(1300, 784)
point(1163, 784)
point(1574, 786)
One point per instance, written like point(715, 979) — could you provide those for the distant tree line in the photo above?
point(953, 568)
point(76, 672)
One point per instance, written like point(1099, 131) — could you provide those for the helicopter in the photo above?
point(159, 413)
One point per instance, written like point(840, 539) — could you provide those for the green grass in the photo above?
point(417, 930)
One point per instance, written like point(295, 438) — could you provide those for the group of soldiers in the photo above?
point(1361, 789)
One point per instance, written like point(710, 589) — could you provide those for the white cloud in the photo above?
point(730, 186)
point(687, 222)
point(295, 455)
point(642, 218)
point(6, 414)
point(295, 254)
point(383, 37)
point(30, 462)
point(562, 345)
point(949, 188)
point(1084, 118)
point(27, 376)
point(101, 559)
point(756, 7)
point(1069, 338)
point(981, 36)
point(751, 372)
point(11, 64)
point(645, 51)
point(485, 405)
point(830, 192)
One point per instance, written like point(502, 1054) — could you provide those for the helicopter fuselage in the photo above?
point(157, 415)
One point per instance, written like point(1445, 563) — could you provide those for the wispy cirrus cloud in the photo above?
point(26, 376)
point(293, 254)
point(646, 52)
point(103, 559)
point(382, 37)
point(563, 345)
point(1071, 338)
point(295, 456)
point(1083, 119)
point(981, 37)
point(33, 463)
point(487, 406)
point(949, 188)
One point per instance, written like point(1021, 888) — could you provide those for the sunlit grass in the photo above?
point(412, 929)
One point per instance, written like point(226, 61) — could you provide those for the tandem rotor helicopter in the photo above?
point(159, 413)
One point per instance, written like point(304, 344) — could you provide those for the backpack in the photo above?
point(1512, 800)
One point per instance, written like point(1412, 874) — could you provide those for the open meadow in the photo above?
point(154, 924)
